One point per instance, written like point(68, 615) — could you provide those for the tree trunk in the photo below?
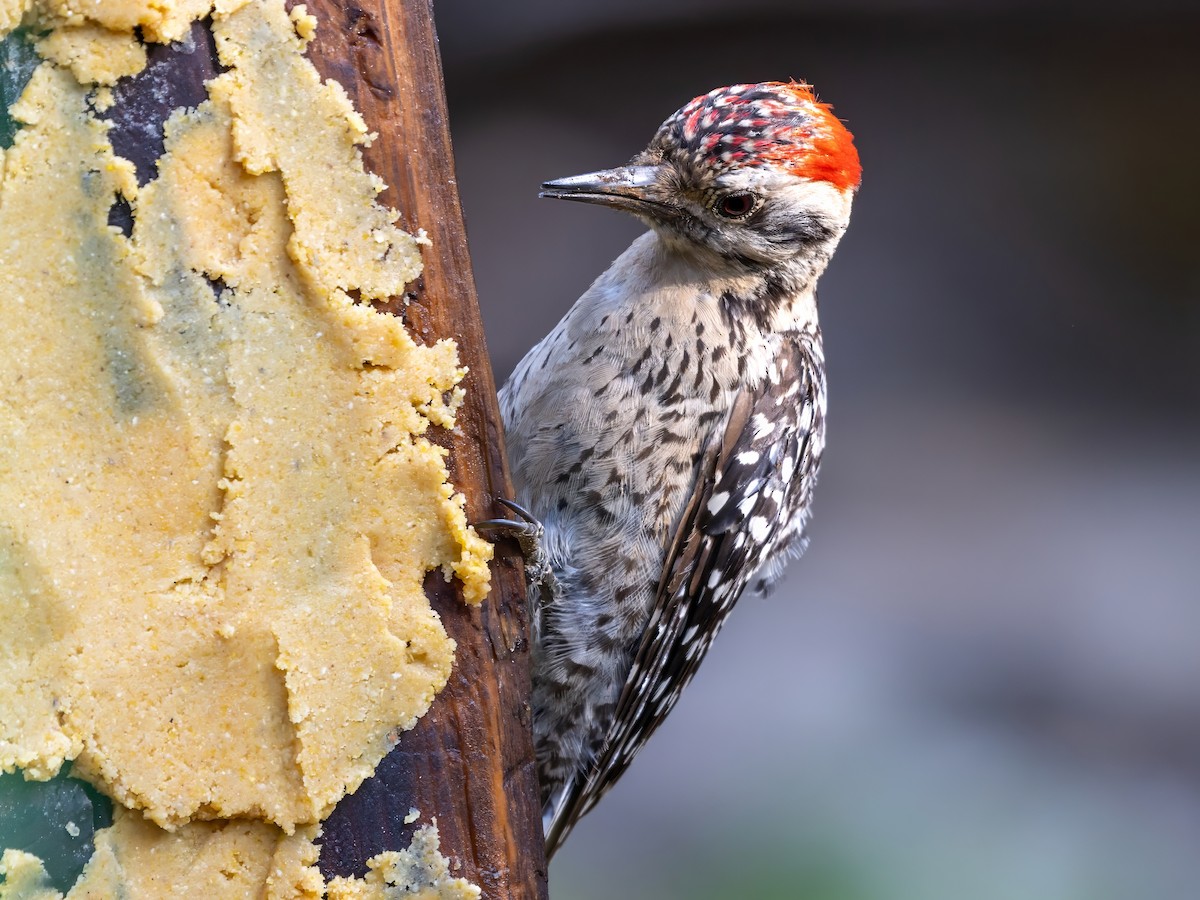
point(469, 761)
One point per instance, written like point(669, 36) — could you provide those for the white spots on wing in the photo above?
point(714, 579)
point(748, 457)
point(748, 504)
point(717, 502)
point(762, 426)
point(759, 528)
point(787, 468)
point(806, 417)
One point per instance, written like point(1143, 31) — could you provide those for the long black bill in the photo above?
point(633, 188)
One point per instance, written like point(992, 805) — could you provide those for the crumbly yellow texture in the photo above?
point(135, 859)
point(94, 54)
point(233, 861)
point(23, 877)
point(420, 872)
point(11, 13)
point(159, 20)
point(217, 507)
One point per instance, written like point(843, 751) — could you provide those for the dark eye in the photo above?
point(737, 205)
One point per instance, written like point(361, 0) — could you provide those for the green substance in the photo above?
point(18, 59)
point(35, 815)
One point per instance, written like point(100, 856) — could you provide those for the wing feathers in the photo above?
point(749, 486)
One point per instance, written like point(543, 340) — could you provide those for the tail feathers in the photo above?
point(557, 821)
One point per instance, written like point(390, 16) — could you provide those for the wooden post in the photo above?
point(469, 761)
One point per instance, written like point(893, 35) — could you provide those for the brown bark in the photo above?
point(469, 762)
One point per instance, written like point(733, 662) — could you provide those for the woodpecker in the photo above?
point(665, 436)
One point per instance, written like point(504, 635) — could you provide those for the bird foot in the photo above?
point(528, 532)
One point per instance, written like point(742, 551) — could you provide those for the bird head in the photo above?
point(751, 174)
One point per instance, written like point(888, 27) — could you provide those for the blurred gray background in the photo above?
point(983, 681)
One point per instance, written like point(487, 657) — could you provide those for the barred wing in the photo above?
point(748, 504)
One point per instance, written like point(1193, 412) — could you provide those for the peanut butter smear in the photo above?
point(217, 505)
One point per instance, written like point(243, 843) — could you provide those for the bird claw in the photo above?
point(527, 531)
point(528, 526)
